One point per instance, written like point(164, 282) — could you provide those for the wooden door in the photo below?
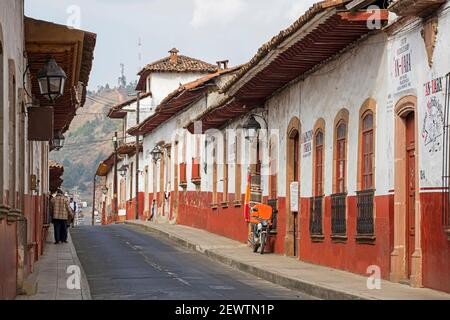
point(411, 189)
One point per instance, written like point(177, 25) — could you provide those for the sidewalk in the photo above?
point(48, 281)
point(318, 281)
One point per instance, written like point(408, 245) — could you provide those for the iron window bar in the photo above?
point(365, 219)
point(315, 221)
point(338, 214)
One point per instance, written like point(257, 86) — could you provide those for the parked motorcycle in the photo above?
point(261, 220)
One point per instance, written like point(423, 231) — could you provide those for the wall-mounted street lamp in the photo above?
point(252, 127)
point(123, 170)
point(115, 142)
point(156, 153)
point(51, 80)
point(58, 140)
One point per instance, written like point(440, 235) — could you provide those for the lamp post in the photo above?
point(136, 208)
point(156, 153)
point(51, 79)
point(58, 140)
point(251, 128)
point(123, 170)
point(116, 146)
point(93, 200)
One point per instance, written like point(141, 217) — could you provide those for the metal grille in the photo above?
point(338, 211)
point(315, 221)
point(446, 158)
point(364, 222)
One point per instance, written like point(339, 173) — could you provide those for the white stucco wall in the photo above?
point(12, 39)
point(430, 108)
point(163, 83)
point(365, 71)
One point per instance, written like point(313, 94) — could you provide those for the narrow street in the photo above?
point(123, 262)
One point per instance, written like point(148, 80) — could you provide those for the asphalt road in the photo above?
point(126, 263)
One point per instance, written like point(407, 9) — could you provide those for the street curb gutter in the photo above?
point(313, 289)
point(85, 290)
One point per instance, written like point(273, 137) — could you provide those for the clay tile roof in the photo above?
point(273, 43)
point(54, 164)
point(177, 100)
point(183, 64)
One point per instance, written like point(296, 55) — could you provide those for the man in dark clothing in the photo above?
point(60, 211)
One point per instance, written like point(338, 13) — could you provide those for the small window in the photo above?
point(367, 152)
point(365, 226)
point(341, 157)
point(318, 188)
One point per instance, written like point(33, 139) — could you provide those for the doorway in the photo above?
point(406, 258)
point(292, 175)
point(410, 174)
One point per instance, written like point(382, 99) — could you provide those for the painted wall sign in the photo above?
point(307, 143)
point(433, 122)
point(402, 65)
point(433, 125)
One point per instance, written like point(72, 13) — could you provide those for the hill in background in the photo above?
point(89, 139)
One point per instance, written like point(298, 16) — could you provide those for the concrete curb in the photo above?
point(85, 290)
point(313, 289)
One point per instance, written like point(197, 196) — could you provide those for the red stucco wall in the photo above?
point(195, 211)
point(351, 255)
point(435, 243)
point(131, 207)
point(8, 262)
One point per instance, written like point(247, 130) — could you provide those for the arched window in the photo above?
point(367, 151)
point(339, 197)
point(341, 157)
point(273, 167)
point(318, 163)
point(365, 226)
point(316, 204)
point(237, 168)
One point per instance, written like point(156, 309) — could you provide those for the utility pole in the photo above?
point(136, 213)
point(116, 213)
point(93, 200)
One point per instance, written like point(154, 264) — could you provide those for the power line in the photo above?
point(102, 98)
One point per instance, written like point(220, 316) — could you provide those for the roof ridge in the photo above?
point(206, 66)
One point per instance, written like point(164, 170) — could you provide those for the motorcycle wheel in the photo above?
point(255, 244)
point(263, 242)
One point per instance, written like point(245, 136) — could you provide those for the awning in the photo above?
point(320, 34)
point(102, 170)
point(126, 149)
point(73, 51)
point(56, 170)
point(415, 8)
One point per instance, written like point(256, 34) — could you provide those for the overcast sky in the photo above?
point(210, 30)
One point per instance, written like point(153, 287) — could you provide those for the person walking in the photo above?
point(74, 207)
point(60, 211)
